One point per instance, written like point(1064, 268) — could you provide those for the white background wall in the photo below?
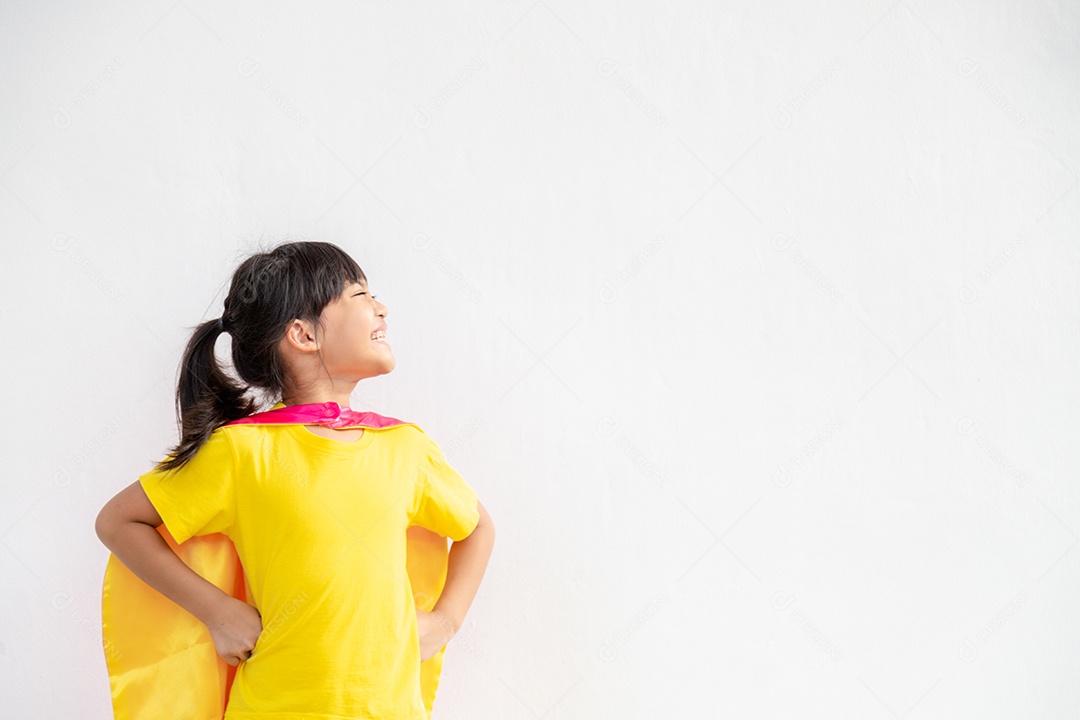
point(755, 327)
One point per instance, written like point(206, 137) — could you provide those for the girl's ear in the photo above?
point(301, 335)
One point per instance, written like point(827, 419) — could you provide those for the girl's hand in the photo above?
point(435, 631)
point(235, 628)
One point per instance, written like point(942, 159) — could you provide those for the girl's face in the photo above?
point(354, 328)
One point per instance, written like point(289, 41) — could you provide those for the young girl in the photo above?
point(317, 498)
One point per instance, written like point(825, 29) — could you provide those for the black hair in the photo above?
point(294, 280)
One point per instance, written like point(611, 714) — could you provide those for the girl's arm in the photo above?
point(127, 525)
point(466, 564)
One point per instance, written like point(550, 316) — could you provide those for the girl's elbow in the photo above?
point(109, 519)
point(103, 524)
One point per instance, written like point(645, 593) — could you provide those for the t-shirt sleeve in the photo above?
point(444, 502)
point(198, 498)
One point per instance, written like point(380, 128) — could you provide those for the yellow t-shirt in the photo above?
point(319, 526)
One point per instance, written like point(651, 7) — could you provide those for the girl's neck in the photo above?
point(316, 399)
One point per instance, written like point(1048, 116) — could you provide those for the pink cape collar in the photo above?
point(328, 414)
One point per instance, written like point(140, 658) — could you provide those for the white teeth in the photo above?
point(379, 336)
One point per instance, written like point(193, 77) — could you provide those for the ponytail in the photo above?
point(206, 397)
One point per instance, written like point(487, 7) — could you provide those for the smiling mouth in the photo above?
point(379, 337)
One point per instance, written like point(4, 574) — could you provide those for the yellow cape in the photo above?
point(161, 660)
